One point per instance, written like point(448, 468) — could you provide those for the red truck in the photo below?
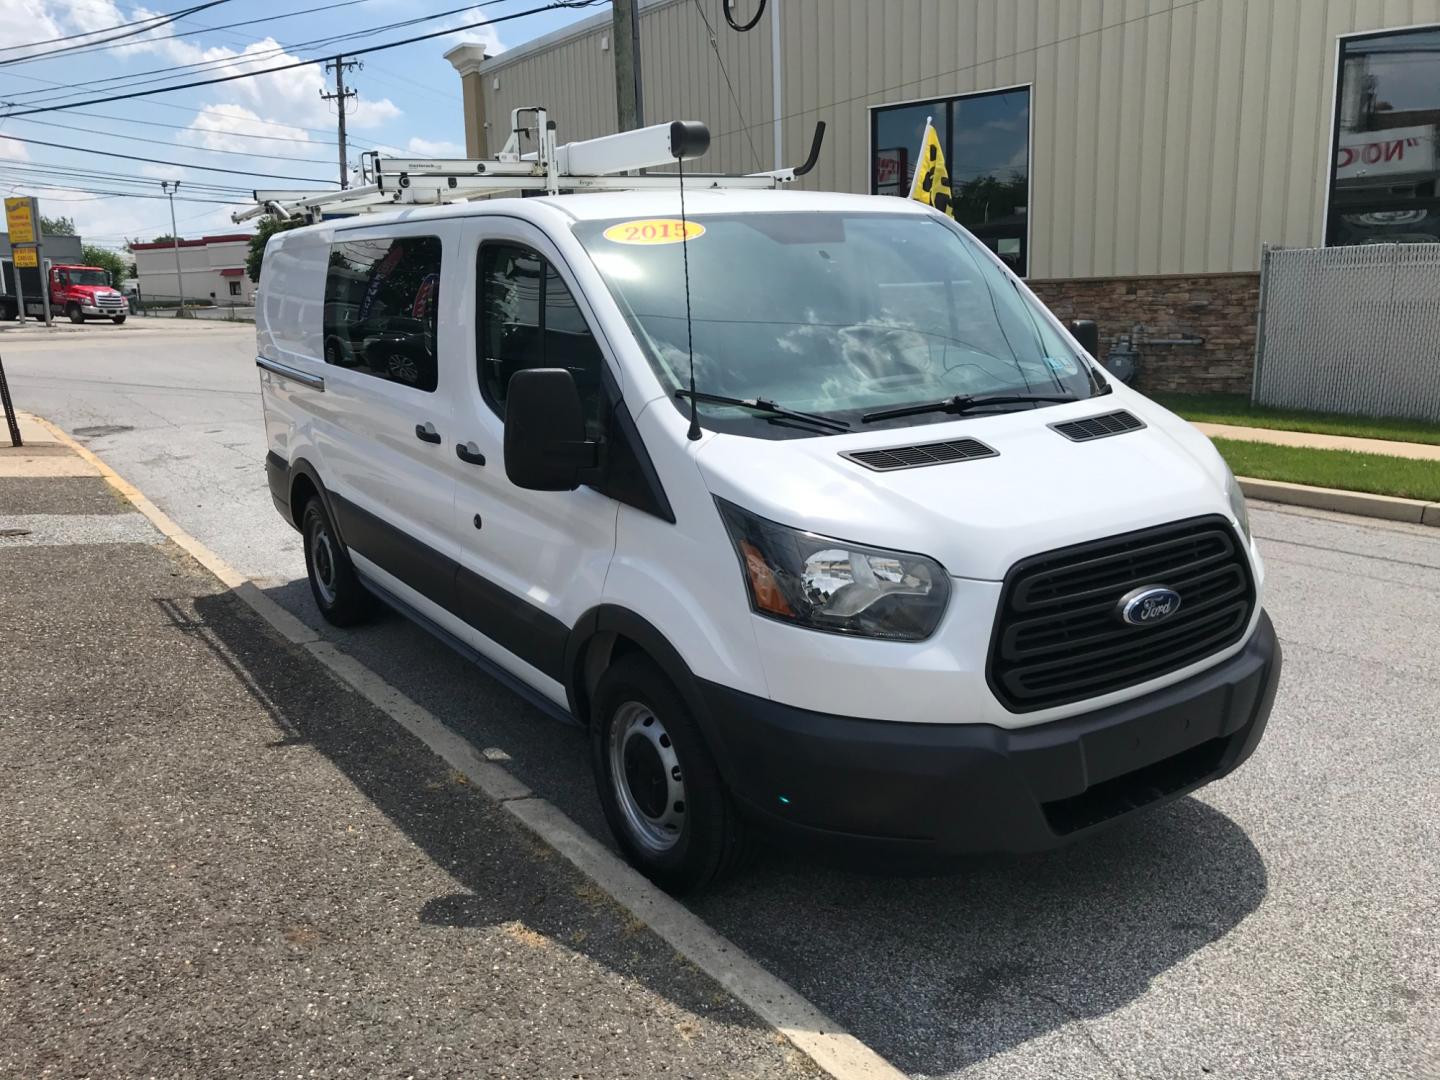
point(77, 292)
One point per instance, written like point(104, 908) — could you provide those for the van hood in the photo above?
point(979, 517)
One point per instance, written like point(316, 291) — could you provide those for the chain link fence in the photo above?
point(1351, 330)
point(168, 307)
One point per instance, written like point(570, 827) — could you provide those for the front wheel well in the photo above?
point(601, 651)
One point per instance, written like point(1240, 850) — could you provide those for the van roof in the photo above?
point(619, 204)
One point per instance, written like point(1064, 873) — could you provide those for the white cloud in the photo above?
point(13, 151)
point(24, 21)
point(225, 127)
point(434, 148)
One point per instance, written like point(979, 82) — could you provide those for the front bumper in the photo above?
point(954, 788)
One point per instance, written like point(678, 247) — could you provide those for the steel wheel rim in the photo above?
point(646, 777)
point(322, 563)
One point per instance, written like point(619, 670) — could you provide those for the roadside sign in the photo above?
point(26, 256)
point(20, 219)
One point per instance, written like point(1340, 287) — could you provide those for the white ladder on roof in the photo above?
point(609, 163)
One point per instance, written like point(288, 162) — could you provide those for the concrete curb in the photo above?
point(1413, 511)
point(809, 1030)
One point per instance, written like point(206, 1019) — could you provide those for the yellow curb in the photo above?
point(199, 552)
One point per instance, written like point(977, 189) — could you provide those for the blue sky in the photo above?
point(409, 101)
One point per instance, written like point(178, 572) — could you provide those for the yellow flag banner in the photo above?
point(931, 185)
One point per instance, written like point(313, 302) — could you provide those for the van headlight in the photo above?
point(834, 585)
point(1237, 503)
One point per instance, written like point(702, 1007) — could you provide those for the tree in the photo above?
point(269, 226)
point(108, 260)
point(57, 226)
point(166, 239)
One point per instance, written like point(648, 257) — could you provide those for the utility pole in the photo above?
point(340, 96)
point(170, 187)
point(625, 29)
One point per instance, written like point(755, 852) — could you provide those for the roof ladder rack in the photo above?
point(608, 163)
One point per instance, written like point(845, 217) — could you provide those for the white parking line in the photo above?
point(813, 1033)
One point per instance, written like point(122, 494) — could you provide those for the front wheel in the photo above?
point(72, 309)
point(659, 787)
point(333, 581)
point(117, 319)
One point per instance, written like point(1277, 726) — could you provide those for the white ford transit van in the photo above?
point(904, 570)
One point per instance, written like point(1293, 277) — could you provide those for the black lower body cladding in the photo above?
point(960, 788)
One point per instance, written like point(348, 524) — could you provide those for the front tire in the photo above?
point(72, 309)
point(117, 319)
point(659, 787)
point(336, 587)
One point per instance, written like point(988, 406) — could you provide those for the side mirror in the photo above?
point(1088, 334)
point(545, 445)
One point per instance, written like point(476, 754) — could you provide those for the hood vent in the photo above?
point(913, 457)
point(1099, 427)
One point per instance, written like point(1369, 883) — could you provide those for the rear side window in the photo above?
point(528, 319)
point(382, 297)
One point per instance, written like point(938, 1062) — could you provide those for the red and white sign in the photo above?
point(1385, 154)
point(891, 165)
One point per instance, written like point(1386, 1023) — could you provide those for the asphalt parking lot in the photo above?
point(1282, 923)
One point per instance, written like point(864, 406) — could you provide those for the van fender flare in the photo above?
point(582, 667)
point(302, 467)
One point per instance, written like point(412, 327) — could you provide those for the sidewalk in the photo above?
point(1418, 451)
point(220, 861)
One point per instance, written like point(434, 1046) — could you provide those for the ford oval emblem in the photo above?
point(1148, 605)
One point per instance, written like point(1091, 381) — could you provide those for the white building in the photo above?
point(211, 268)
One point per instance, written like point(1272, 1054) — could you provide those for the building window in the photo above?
point(986, 139)
point(381, 302)
point(234, 288)
point(1385, 181)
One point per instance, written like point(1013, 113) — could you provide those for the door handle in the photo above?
point(470, 453)
point(426, 432)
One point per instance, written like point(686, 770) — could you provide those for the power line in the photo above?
point(714, 45)
point(189, 110)
point(114, 194)
point(156, 161)
point(163, 21)
point(101, 46)
point(49, 169)
point(172, 145)
point(191, 127)
point(83, 33)
point(557, 4)
point(133, 79)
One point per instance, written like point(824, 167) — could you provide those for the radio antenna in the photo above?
point(694, 432)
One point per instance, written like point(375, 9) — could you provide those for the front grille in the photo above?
point(911, 457)
point(1099, 427)
point(1058, 637)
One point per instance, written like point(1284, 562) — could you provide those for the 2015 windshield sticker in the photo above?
point(654, 231)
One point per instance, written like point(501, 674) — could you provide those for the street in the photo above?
point(1284, 922)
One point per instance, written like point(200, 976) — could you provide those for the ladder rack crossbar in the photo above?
point(609, 163)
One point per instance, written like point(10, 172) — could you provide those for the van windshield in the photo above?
point(836, 315)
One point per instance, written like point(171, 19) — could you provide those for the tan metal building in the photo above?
point(1132, 158)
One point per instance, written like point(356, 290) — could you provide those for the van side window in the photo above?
point(382, 300)
point(528, 319)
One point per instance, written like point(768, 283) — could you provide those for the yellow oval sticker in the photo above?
point(654, 231)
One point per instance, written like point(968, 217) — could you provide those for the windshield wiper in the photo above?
point(767, 407)
point(960, 404)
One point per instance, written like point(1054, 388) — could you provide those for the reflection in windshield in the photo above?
point(89, 277)
point(837, 314)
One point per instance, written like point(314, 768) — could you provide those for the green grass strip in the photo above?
point(1378, 474)
point(1236, 409)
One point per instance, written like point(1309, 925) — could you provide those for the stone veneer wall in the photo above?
point(1221, 308)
